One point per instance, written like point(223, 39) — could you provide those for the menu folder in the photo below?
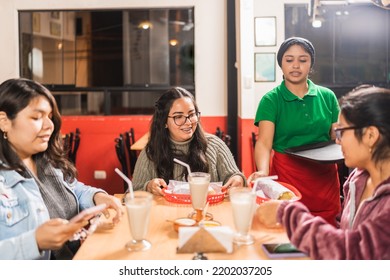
point(205, 240)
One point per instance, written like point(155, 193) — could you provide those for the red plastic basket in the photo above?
point(298, 195)
point(182, 198)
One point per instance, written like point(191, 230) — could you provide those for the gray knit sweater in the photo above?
point(221, 164)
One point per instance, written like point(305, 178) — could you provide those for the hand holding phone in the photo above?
point(91, 215)
point(88, 213)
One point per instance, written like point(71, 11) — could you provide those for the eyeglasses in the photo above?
point(181, 119)
point(339, 131)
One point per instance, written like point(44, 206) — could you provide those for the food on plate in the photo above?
point(179, 187)
point(209, 224)
point(286, 196)
point(273, 190)
point(211, 191)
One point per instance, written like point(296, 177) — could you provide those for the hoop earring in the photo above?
point(5, 135)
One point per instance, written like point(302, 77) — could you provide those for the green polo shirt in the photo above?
point(299, 121)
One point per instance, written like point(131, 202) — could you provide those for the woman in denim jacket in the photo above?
point(39, 192)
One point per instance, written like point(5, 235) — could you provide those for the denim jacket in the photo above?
point(22, 210)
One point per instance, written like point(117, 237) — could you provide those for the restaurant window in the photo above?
point(108, 62)
point(352, 43)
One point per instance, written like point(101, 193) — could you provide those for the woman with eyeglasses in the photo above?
point(176, 132)
point(363, 131)
point(296, 113)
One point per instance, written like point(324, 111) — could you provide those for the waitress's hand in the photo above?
point(256, 175)
point(156, 185)
point(112, 202)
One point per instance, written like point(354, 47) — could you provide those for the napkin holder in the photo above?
point(205, 239)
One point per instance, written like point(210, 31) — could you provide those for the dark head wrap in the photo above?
point(306, 44)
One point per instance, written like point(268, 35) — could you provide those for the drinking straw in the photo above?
point(273, 177)
point(128, 181)
point(184, 164)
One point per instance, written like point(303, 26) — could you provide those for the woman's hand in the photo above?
point(52, 234)
point(234, 181)
point(112, 202)
point(267, 211)
point(255, 175)
point(156, 185)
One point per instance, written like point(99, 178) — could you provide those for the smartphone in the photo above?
point(282, 250)
point(88, 213)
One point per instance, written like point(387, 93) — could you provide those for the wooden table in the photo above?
point(109, 244)
point(140, 143)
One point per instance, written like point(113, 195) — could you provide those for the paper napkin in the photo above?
point(179, 187)
point(205, 239)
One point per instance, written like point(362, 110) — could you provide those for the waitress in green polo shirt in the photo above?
point(295, 113)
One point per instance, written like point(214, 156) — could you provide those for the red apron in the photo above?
point(317, 182)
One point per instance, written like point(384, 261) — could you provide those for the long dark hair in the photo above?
point(159, 148)
point(369, 106)
point(15, 95)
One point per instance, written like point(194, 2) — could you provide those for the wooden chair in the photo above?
point(127, 157)
point(253, 144)
point(219, 132)
point(76, 144)
point(225, 137)
point(71, 145)
point(228, 140)
point(120, 149)
point(131, 154)
point(254, 139)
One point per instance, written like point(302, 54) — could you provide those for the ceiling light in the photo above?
point(145, 25)
point(173, 42)
point(316, 23)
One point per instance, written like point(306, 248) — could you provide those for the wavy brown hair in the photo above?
point(15, 95)
point(159, 149)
